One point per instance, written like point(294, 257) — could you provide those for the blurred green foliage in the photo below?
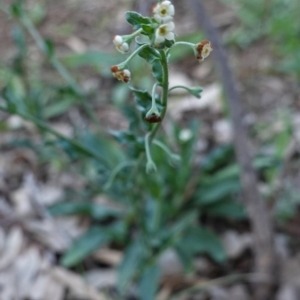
point(277, 21)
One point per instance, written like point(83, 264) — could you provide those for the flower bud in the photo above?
point(120, 44)
point(118, 40)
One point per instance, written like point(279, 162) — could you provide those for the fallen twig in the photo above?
point(230, 279)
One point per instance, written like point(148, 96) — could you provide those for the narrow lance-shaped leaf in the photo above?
point(149, 282)
point(85, 245)
point(134, 256)
point(201, 241)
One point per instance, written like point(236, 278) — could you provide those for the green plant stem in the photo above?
point(115, 172)
point(44, 126)
point(179, 87)
point(190, 45)
point(147, 147)
point(123, 64)
point(153, 94)
point(182, 43)
point(165, 88)
point(134, 34)
point(163, 147)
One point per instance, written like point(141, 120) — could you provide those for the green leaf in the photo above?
point(142, 98)
point(149, 282)
point(195, 91)
point(20, 40)
point(136, 19)
point(148, 29)
point(16, 9)
point(157, 70)
point(134, 256)
point(216, 158)
point(202, 241)
point(103, 146)
point(218, 192)
point(50, 48)
point(58, 108)
point(228, 209)
point(185, 256)
point(12, 94)
point(85, 245)
point(98, 212)
point(149, 54)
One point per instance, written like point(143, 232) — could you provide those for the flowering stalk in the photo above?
point(150, 166)
point(165, 92)
point(159, 29)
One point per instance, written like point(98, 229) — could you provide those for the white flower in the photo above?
point(121, 46)
point(203, 50)
point(164, 32)
point(163, 12)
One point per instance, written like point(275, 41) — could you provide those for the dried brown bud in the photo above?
point(204, 48)
point(153, 118)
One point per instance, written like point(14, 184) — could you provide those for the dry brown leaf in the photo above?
point(54, 291)
point(26, 269)
point(100, 279)
point(76, 44)
point(109, 256)
point(76, 285)
point(13, 246)
point(7, 284)
point(57, 234)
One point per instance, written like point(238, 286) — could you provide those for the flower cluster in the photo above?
point(163, 13)
point(120, 44)
point(203, 50)
point(121, 75)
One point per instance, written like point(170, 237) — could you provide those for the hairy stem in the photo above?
point(133, 54)
point(165, 92)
